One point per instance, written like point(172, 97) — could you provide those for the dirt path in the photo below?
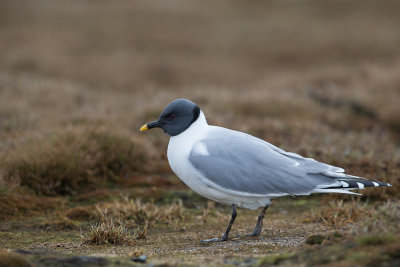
point(172, 243)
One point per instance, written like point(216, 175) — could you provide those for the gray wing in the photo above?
point(243, 164)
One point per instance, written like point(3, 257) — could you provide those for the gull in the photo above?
point(241, 170)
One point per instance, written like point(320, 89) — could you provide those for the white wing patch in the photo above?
point(344, 184)
point(201, 149)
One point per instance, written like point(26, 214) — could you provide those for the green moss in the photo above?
point(357, 256)
point(374, 240)
point(274, 259)
point(25, 238)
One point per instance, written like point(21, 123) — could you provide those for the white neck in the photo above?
point(195, 128)
point(180, 145)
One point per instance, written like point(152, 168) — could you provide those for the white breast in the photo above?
point(179, 149)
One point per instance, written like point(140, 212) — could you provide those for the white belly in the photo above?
point(178, 155)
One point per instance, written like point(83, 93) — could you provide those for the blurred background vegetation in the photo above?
point(321, 78)
point(78, 79)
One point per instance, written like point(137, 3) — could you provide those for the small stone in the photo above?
point(141, 259)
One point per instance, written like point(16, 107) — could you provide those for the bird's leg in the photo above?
point(228, 229)
point(257, 229)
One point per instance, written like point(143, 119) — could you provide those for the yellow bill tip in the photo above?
point(144, 128)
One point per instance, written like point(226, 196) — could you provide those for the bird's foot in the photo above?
point(256, 232)
point(253, 234)
point(223, 238)
point(212, 240)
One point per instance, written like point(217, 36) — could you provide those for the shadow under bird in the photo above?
point(240, 170)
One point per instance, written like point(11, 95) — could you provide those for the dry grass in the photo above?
point(131, 212)
point(115, 218)
point(135, 212)
point(339, 213)
point(384, 219)
point(70, 162)
point(109, 233)
point(21, 202)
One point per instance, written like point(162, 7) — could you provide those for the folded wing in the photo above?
point(244, 165)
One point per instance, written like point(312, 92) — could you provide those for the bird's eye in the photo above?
point(171, 116)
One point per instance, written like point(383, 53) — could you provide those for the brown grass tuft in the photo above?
point(338, 213)
point(142, 233)
point(70, 162)
point(136, 212)
point(20, 202)
point(115, 218)
point(385, 219)
point(129, 212)
point(109, 233)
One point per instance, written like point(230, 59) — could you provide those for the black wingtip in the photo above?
point(360, 184)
